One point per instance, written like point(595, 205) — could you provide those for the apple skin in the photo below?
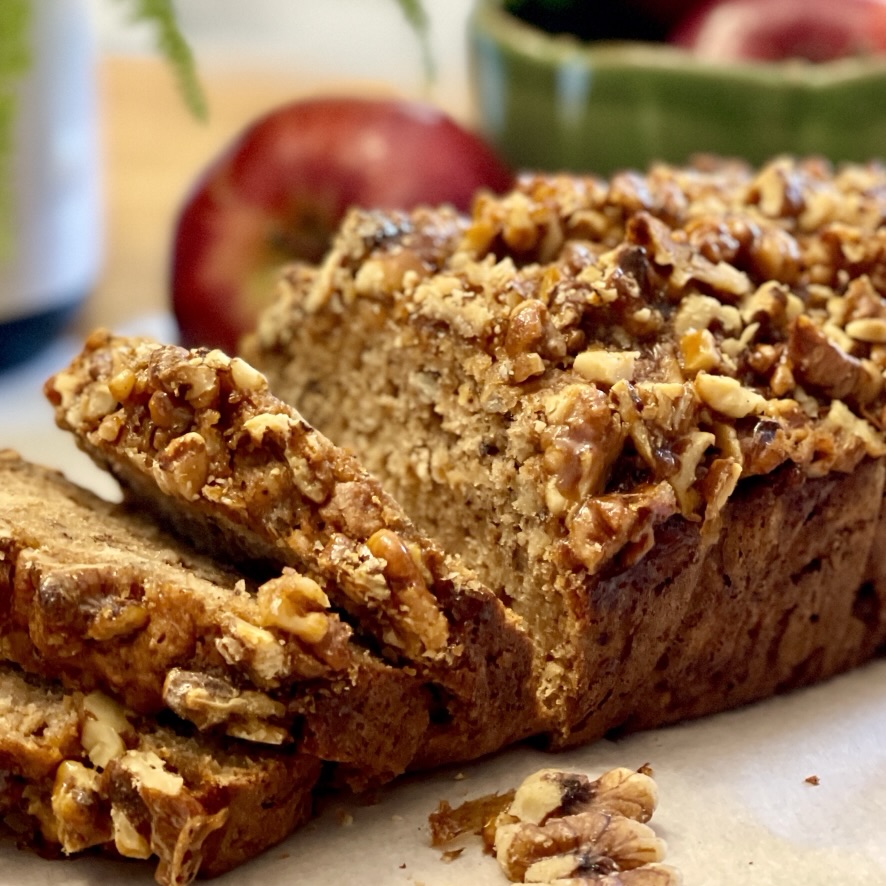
point(772, 30)
point(279, 190)
point(665, 12)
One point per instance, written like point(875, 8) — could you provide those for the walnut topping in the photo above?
point(98, 403)
point(727, 395)
point(295, 604)
point(701, 312)
point(150, 772)
point(698, 351)
point(247, 378)
point(121, 385)
point(867, 329)
point(182, 468)
point(257, 650)
point(406, 580)
point(78, 807)
point(127, 839)
point(825, 366)
point(579, 444)
point(562, 826)
point(606, 367)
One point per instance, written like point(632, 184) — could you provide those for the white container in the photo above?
point(55, 253)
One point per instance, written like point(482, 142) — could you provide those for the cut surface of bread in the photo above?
point(632, 406)
point(82, 773)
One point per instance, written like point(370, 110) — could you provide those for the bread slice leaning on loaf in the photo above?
point(196, 438)
point(82, 773)
point(649, 412)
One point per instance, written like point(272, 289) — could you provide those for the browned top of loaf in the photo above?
point(658, 336)
point(91, 774)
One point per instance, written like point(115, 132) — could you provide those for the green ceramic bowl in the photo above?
point(552, 102)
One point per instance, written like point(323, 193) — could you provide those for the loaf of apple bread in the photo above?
point(649, 413)
point(80, 772)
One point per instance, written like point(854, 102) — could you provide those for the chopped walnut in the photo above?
point(182, 468)
point(103, 730)
point(211, 701)
point(406, 579)
point(296, 604)
point(78, 807)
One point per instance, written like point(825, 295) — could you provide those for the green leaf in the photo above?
point(418, 20)
point(172, 44)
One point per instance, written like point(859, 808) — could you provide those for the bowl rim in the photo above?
point(490, 21)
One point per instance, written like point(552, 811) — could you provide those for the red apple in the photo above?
point(664, 12)
point(279, 191)
point(817, 30)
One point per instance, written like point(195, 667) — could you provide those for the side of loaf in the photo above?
point(640, 409)
point(82, 773)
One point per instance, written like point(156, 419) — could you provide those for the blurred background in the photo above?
point(358, 39)
point(251, 57)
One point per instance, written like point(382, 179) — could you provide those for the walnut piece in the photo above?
point(103, 728)
point(209, 702)
point(563, 828)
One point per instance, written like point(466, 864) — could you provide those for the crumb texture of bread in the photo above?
point(590, 393)
point(82, 773)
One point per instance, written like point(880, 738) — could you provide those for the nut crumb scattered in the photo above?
point(813, 780)
point(451, 855)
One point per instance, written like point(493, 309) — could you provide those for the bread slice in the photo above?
point(98, 596)
point(81, 773)
point(648, 412)
point(196, 437)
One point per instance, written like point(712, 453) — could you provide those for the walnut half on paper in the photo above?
point(564, 829)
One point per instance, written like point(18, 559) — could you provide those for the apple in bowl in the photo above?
point(772, 30)
point(279, 191)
